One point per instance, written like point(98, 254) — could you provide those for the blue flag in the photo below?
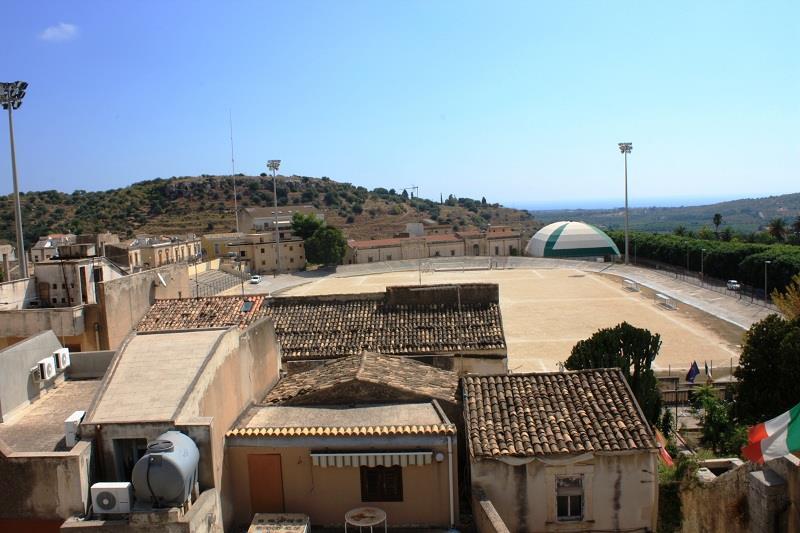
point(693, 372)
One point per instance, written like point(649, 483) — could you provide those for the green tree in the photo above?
point(769, 369)
point(633, 350)
point(304, 225)
point(717, 221)
point(326, 246)
point(680, 231)
point(777, 228)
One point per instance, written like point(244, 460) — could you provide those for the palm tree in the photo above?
point(717, 221)
point(777, 228)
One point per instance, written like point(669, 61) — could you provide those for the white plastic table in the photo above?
point(365, 517)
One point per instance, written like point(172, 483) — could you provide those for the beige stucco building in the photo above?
point(216, 245)
point(566, 451)
point(145, 251)
point(437, 241)
point(259, 254)
point(365, 430)
point(263, 218)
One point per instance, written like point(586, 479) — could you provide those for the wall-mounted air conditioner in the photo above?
point(44, 369)
point(72, 426)
point(112, 498)
point(61, 357)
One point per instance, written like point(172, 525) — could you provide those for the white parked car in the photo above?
point(733, 285)
point(255, 279)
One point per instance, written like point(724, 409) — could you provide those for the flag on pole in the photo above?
point(774, 438)
point(694, 371)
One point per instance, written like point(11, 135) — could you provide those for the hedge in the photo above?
point(723, 260)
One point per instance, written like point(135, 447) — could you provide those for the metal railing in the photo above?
point(746, 292)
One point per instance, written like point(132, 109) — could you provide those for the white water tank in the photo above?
point(166, 475)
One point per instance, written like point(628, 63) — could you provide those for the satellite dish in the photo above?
point(161, 279)
point(106, 501)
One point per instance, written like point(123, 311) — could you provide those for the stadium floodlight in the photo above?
point(274, 165)
point(11, 95)
point(626, 148)
point(766, 294)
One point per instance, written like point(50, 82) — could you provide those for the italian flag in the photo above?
point(774, 438)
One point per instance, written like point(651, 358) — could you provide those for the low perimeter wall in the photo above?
point(487, 520)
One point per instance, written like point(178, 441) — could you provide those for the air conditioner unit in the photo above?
point(61, 357)
point(112, 498)
point(71, 426)
point(44, 369)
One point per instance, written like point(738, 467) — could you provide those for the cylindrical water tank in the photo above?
point(165, 476)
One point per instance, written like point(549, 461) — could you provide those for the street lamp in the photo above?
point(702, 266)
point(11, 95)
point(766, 294)
point(626, 148)
point(274, 165)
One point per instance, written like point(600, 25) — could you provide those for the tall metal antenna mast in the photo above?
point(233, 175)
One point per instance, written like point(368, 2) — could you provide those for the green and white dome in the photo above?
point(570, 239)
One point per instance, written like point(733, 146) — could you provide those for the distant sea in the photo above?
point(611, 203)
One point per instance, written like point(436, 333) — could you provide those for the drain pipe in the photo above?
point(450, 479)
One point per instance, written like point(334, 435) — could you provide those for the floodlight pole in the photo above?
point(11, 95)
point(626, 148)
point(766, 294)
point(274, 165)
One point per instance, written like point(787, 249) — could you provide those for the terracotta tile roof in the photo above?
point(528, 415)
point(432, 429)
point(443, 237)
point(318, 328)
point(407, 377)
point(380, 243)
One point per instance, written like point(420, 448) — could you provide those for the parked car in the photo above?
point(733, 285)
point(255, 279)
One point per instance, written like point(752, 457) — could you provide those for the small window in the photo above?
point(569, 498)
point(262, 250)
point(389, 257)
point(369, 260)
point(496, 250)
point(263, 263)
point(381, 484)
point(291, 248)
point(452, 252)
point(241, 253)
point(55, 285)
point(291, 259)
point(437, 254)
point(63, 300)
point(247, 305)
point(63, 285)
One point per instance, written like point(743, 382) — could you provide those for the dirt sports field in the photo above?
point(545, 312)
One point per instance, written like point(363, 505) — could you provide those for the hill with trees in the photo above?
point(206, 204)
point(746, 215)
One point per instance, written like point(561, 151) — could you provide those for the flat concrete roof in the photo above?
point(39, 427)
point(152, 375)
point(420, 414)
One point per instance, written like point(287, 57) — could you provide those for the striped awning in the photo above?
point(345, 460)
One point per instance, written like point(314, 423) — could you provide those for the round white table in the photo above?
point(365, 517)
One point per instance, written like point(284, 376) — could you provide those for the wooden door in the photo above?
point(266, 483)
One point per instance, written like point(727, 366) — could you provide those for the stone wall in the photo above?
point(746, 499)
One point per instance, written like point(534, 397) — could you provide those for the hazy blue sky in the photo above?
point(520, 102)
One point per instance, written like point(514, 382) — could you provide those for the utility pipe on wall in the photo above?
point(450, 479)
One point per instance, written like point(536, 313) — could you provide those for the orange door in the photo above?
point(266, 483)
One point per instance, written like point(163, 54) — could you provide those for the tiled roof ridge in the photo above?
point(323, 431)
point(550, 373)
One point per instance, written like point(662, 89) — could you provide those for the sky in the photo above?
point(523, 103)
